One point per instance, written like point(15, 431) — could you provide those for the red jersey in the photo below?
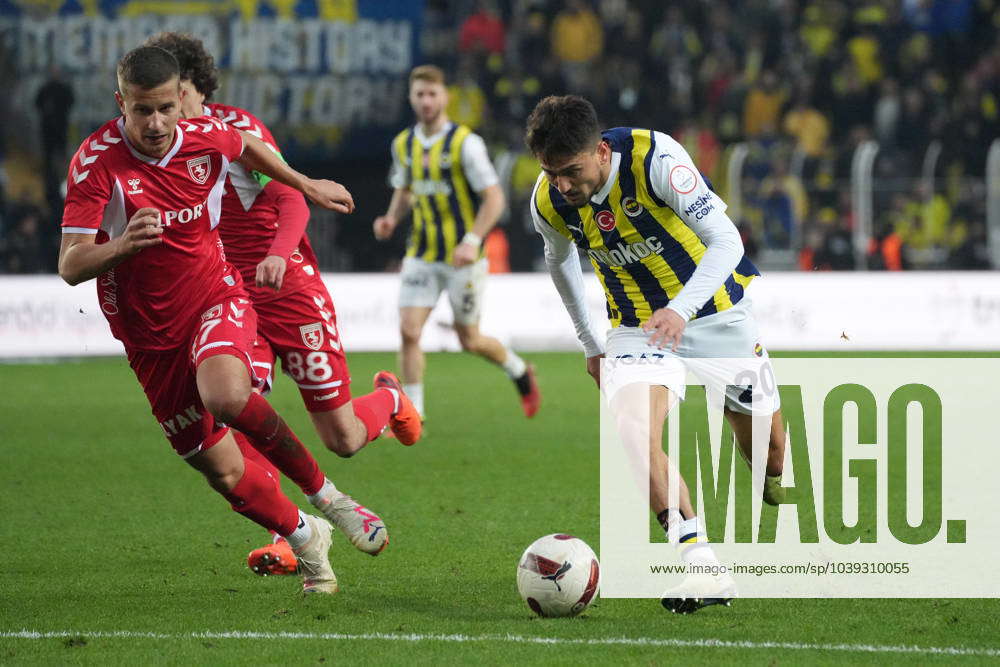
point(153, 299)
point(251, 220)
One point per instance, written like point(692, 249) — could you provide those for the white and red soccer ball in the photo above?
point(558, 575)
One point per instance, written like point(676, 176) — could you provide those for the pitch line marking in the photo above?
point(516, 639)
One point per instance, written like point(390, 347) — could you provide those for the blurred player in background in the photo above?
point(439, 170)
point(263, 227)
point(673, 269)
point(143, 202)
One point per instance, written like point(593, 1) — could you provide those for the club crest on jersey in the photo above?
point(312, 335)
point(605, 220)
point(199, 169)
point(631, 207)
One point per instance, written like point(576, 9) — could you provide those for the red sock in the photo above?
point(256, 497)
point(374, 410)
point(250, 452)
point(269, 433)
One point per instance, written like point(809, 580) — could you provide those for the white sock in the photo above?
point(325, 491)
point(513, 365)
point(693, 546)
point(301, 534)
point(416, 393)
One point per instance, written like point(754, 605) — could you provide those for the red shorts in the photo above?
point(301, 329)
point(168, 378)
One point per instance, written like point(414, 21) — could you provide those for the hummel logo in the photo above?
point(134, 186)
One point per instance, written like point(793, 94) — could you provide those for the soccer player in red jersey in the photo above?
point(263, 227)
point(143, 203)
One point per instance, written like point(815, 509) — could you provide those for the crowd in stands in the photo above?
point(800, 83)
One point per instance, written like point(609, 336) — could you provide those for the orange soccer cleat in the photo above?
point(277, 558)
point(406, 424)
point(531, 397)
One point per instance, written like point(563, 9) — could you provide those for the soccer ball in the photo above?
point(558, 575)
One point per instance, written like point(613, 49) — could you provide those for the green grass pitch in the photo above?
point(125, 556)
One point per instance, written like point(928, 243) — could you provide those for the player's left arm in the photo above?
point(257, 156)
point(677, 181)
point(483, 178)
point(293, 216)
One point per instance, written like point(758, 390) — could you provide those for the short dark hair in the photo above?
point(147, 67)
point(561, 126)
point(196, 64)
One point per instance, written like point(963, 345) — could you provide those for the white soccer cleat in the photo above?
point(363, 527)
point(699, 590)
point(314, 559)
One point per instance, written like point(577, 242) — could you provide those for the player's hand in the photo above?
point(143, 230)
point(594, 368)
point(271, 272)
point(329, 194)
point(666, 327)
point(383, 227)
point(464, 254)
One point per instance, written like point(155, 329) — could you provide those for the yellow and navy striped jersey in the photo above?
point(444, 204)
point(642, 251)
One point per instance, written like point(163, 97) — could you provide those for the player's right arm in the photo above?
point(81, 258)
point(89, 190)
point(402, 198)
point(399, 208)
point(563, 264)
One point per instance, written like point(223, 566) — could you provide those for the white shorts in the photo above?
point(723, 351)
point(422, 282)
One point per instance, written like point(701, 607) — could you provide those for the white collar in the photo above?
point(602, 194)
point(424, 139)
point(159, 162)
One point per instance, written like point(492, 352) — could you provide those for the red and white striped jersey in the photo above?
point(251, 215)
point(153, 299)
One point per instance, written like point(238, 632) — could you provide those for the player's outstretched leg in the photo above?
point(251, 492)
point(520, 373)
point(345, 430)
point(225, 389)
point(640, 411)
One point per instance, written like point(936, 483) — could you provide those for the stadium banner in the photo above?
point(888, 479)
point(329, 77)
point(40, 316)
